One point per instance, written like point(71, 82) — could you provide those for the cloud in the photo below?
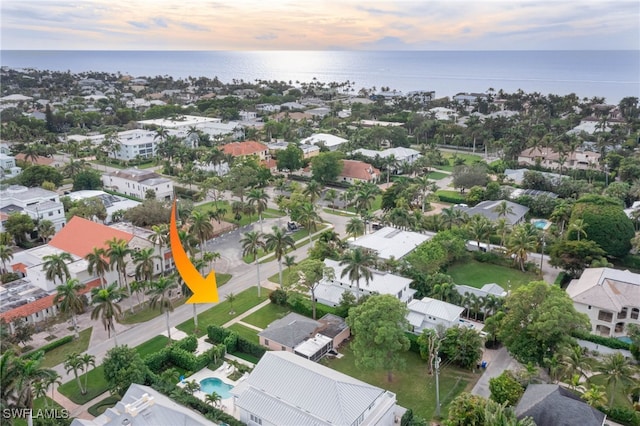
point(192, 27)
point(160, 22)
point(138, 24)
point(266, 37)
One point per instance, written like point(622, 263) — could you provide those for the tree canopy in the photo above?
point(539, 319)
point(379, 328)
point(326, 167)
point(123, 366)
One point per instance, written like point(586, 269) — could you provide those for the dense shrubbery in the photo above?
point(448, 197)
point(233, 342)
point(625, 416)
point(185, 193)
point(609, 342)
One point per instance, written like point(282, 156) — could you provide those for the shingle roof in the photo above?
point(552, 405)
point(433, 307)
point(80, 236)
point(487, 209)
point(286, 389)
point(238, 149)
point(290, 330)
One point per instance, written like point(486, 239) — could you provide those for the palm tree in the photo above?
point(117, 253)
point(258, 198)
point(50, 382)
point(279, 242)
point(251, 244)
point(55, 266)
point(575, 361)
point(31, 153)
point(503, 209)
point(68, 298)
point(40, 391)
point(502, 229)
point(6, 254)
point(579, 227)
point(522, 240)
point(161, 297)
point(331, 196)
point(18, 377)
point(309, 218)
point(87, 361)
point(144, 260)
point(480, 229)
point(200, 225)
point(355, 227)
point(160, 237)
point(365, 195)
point(312, 191)
point(213, 399)
point(46, 230)
point(230, 298)
point(210, 257)
point(617, 370)
point(357, 262)
point(595, 396)
point(106, 308)
point(98, 264)
point(425, 186)
point(289, 261)
point(74, 363)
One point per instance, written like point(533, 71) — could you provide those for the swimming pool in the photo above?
point(542, 224)
point(625, 339)
point(213, 384)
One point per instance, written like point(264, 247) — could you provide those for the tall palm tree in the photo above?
point(210, 257)
point(118, 252)
point(575, 361)
point(357, 262)
point(98, 264)
point(200, 225)
point(51, 381)
point(87, 361)
point(308, 217)
point(578, 226)
point(160, 237)
point(364, 197)
point(279, 242)
point(160, 293)
point(289, 261)
point(258, 198)
point(106, 308)
point(251, 244)
point(331, 196)
point(503, 209)
point(213, 399)
point(145, 261)
point(28, 372)
point(46, 230)
point(595, 396)
point(75, 364)
point(480, 228)
point(355, 227)
point(617, 370)
point(6, 254)
point(426, 187)
point(55, 266)
point(312, 191)
point(522, 240)
point(68, 298)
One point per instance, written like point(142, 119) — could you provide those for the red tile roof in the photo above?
point(359, 170)
point(41, 304)
point(19, 267)
point(238, 149)
point(80, 236)
point(269, 164)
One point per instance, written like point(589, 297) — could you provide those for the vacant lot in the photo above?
point(477, 274)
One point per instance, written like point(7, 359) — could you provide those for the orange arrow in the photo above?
point(205, 290)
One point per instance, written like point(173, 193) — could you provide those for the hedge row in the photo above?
point(448, 198)
point(233, 341)
point(610, 342)
point(302, 306)
point(180, 354)
point(49, 346)
point(625, 416)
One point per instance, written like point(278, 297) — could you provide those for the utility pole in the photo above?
point(437, 366)
point(542, 254)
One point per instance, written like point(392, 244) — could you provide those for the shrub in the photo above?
point(610, 342)
point(185, 193)
point(450, 198)
point(231, 342)
point(157, 361)
point(189, 344)
point(183, 359)
point(49, 346)
point(278, 297)
point(217, 334)
point(250, 348)
point(625, 416)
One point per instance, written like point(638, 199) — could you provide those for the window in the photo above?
point(266, 342)
point(634, 313)
point(282, 348)
point(255, 419)
point(605, 316)
point(622, 314)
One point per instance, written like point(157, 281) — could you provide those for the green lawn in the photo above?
point(246, 332)
point(229, 216)
point(452, 195)
point(297, 236)
point(100, 407)
point(265, 316)
point(437, 175)
point(96, 383)
point(275, 278)
point(59, 355)
point(339, 212)
point(39, 403)
point(414, 387)
point(146, 313)
point(476, 274)
point(222, 279)
point(152, 345)
point(375, 205)
point(219, 314)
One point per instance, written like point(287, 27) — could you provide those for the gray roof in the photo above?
point(552, 405)
point(290, 330)
point(487, 209)
point(286, 389)
point(418, 309)
point(391, 242)
point(487, 289)
point(153, 410)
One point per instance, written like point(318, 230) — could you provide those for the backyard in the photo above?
point(413, 386)
point(266, 315)
point(476, 274)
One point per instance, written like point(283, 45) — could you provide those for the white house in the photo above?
point(329, 291)
point(285, 389)
point(136, 183)
point(609, 297)
point(136, 143)
point(431, 313)
point(112, 203)
point(8, 168)
point(38, 203)
point(331, 142)
point(390, 242)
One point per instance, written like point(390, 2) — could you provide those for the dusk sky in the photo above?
point(319, 25)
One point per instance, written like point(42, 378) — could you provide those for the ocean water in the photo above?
point(609, 74)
